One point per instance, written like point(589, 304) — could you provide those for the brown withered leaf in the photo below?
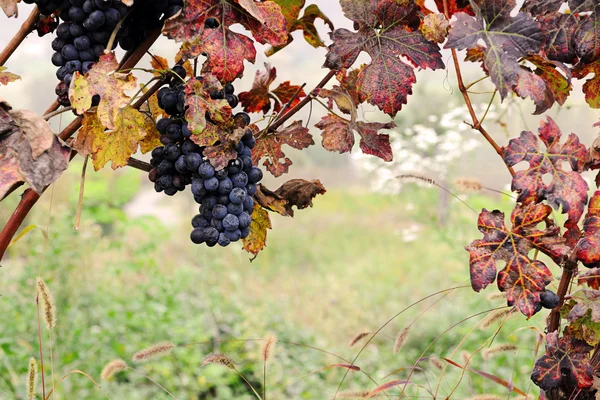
point(29, 151)
point(591, 278)
point(271, 200)
point(299, 193)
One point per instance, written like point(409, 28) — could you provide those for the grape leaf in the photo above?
point(10, 8)
point(588, 247)
point(118, 144)
point(338, 135)
point(199, 104)
point(585, 300)
point(435, 27)
point(558, 31)
point(271, 201)
point(533, 86)
point(111, 86)
point(291, 11)
point(226, 50)
point(559, 84)
point(299, 193)
point(591, 87)
point(220, 154)
point(7, 77)
point(566, 364)
point(506, 39)
point(522, 278)
point(257, 240)
point(269, 146)
point(338, 132)
point(29, 151)
point(295, 192)
point(260, 96)
point(567, 189)
point(587, 35)
point(385, 32)
point(590, 277)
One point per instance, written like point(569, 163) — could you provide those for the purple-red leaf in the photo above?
point(566, 365)
point(522, 278)
point(506, 39)
point(567, 189)
point(588, 247)
point(385, 32)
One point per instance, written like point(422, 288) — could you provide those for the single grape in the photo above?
point(219, 211)
point(231, 222)
point(200, 222)
point(198, 235)
point(237, 195)
point(549, 299)
point(225, 186)
point(211, 184)
point(224, 241)
point(206, 170)
point(211, 23)
point(248, 204)
point(255, 175)
point(235, 209)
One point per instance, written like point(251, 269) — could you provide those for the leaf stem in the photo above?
point(330, 110)
point(470, 85)
point(81, 191)
point(57, 112)
point(27, 27)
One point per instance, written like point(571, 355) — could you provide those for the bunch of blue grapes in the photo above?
point(224, 195)
point(86, 29)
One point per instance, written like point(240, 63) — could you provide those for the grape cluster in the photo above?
point(225, 198)
point(87, 28)
point(225, 195)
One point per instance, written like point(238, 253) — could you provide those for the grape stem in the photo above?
point(27, 27)
point(30, 197)
point(57, 112)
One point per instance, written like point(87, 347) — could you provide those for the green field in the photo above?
point(343, 267)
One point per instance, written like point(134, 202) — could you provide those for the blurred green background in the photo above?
point(367, 250)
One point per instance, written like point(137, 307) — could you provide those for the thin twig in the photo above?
point(282, 120)
point(57, 112)
point(27, 27)
point(569, 268)
point(81, 191)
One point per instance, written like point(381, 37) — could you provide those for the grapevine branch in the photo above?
point(30, 197)
point(27, 27)
point(569, 268)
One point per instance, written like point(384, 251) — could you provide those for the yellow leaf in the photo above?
point(102, 80)
point(257, 239)
point(7, 77)
point(189, 69)
point(90, 129)
point(160, 64)
point(117, 145)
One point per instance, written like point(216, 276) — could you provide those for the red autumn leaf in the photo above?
point(260, 96)
point(532, 86)
point(386, 31)
point(348, 81)
point(566, 365)
point(269, 147)
point(588, 247)
point(591, 278)
point(226, 50)
point(567, 189)
point(557, 36)
point(587, 34)
point(522, 278)
point(539, 7)
point(506, 39)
